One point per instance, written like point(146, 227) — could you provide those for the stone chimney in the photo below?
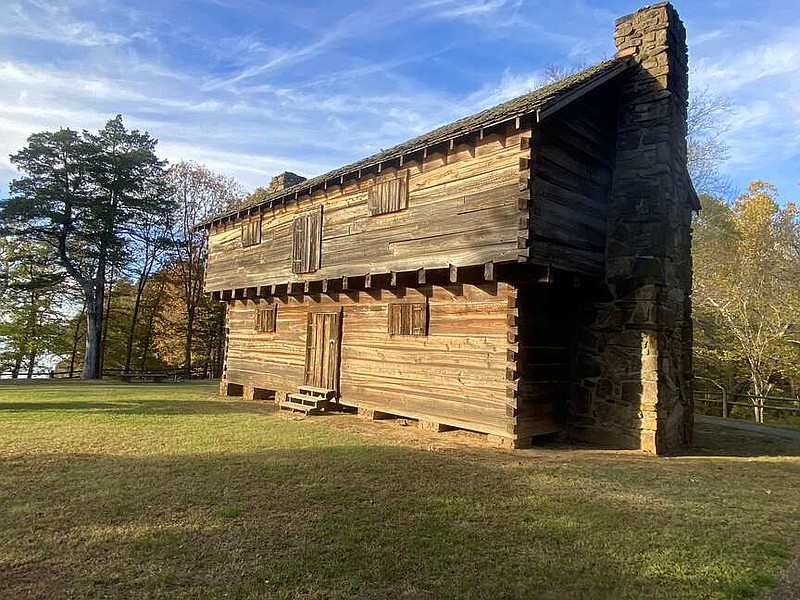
point(284, 181)
point(639, 395)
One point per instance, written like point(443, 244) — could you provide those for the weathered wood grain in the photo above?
point(461, 203)
point(455, 375)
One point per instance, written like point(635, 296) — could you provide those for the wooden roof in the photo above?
point(541, 103)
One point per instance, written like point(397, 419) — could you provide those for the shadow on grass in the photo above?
point(716, 439)
point(143, 407)
point(360, 521)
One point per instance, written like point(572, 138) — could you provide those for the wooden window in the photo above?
point(307, 241)
point(265, 318)
point(388, 196)
point(251, 232)
point(408, 318)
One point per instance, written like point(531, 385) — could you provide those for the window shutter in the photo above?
point(307, 241)
point(388, 196)
point(266, 318)
point(408, 318)
point(251, 232)
point(298, 236)
point(418, 319)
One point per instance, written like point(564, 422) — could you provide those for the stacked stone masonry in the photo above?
point(634, 367)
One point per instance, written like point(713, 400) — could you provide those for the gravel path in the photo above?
point(768, 430)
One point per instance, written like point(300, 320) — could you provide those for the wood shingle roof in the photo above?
point(540, 102)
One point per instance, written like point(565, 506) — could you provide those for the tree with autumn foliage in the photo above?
point(747, 287)
point(81, 194)
point(197, 193)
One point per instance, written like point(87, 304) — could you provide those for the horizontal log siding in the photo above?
point(456, 375)
point(572, 159)
point(462, 210)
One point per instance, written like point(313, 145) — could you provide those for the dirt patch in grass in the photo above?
point(165, 491)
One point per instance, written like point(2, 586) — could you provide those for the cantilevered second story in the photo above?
point(526, 181)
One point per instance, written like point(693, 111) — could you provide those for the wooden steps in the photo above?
point(308, 399)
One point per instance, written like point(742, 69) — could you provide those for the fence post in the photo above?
point(724, 403)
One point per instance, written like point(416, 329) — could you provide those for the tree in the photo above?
point(747, 285)
point(80, 194)
point(151, 238)
point(705, 147)
point(198, 193)
point(31, 292)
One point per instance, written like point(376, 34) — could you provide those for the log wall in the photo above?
point(463, 209)
point(572, 167)
point(456, 375)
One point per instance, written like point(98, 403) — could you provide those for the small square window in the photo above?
point(265, 318)
point(388, 196)
point(408, 318)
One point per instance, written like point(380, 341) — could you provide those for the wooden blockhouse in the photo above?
point(519, 272)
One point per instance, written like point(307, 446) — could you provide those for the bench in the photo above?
point(145, 377)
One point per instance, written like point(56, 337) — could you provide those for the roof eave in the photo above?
point(548, 108)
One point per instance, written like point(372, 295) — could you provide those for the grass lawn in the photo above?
point(165, 491)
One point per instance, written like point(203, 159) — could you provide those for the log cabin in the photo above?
point(520, 272)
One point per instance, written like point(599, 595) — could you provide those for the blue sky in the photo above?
point(251, 88)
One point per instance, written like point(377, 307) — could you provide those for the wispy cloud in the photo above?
point(51, 22)
point(470, 10)
point(251, 87)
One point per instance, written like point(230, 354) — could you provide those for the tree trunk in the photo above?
point(76, 339)
point(94, 327)
point(106, 321)
point(17, 366)
point(134, 318)
point(761, 388)
point(187, 350)
point(31, 364)
point(32, 332)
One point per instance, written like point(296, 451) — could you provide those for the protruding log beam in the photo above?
point(345, 283)
point(421, 276)
point(324, 286)
point(453, 273)
point(367, 281)
point(393, 279)
point(488, 271)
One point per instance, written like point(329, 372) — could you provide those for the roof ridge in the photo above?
point(527, 103)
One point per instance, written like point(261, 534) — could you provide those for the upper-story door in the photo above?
point(323, 345)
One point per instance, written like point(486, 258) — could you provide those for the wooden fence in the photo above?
point(770, 405)
point(107, 373)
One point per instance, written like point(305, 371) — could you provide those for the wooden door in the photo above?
point(323, 345)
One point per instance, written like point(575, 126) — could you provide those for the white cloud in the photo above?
point(470, 10)
point(733, 70)
point(52, 22)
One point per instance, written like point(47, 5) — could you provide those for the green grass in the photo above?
point(165, 491)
